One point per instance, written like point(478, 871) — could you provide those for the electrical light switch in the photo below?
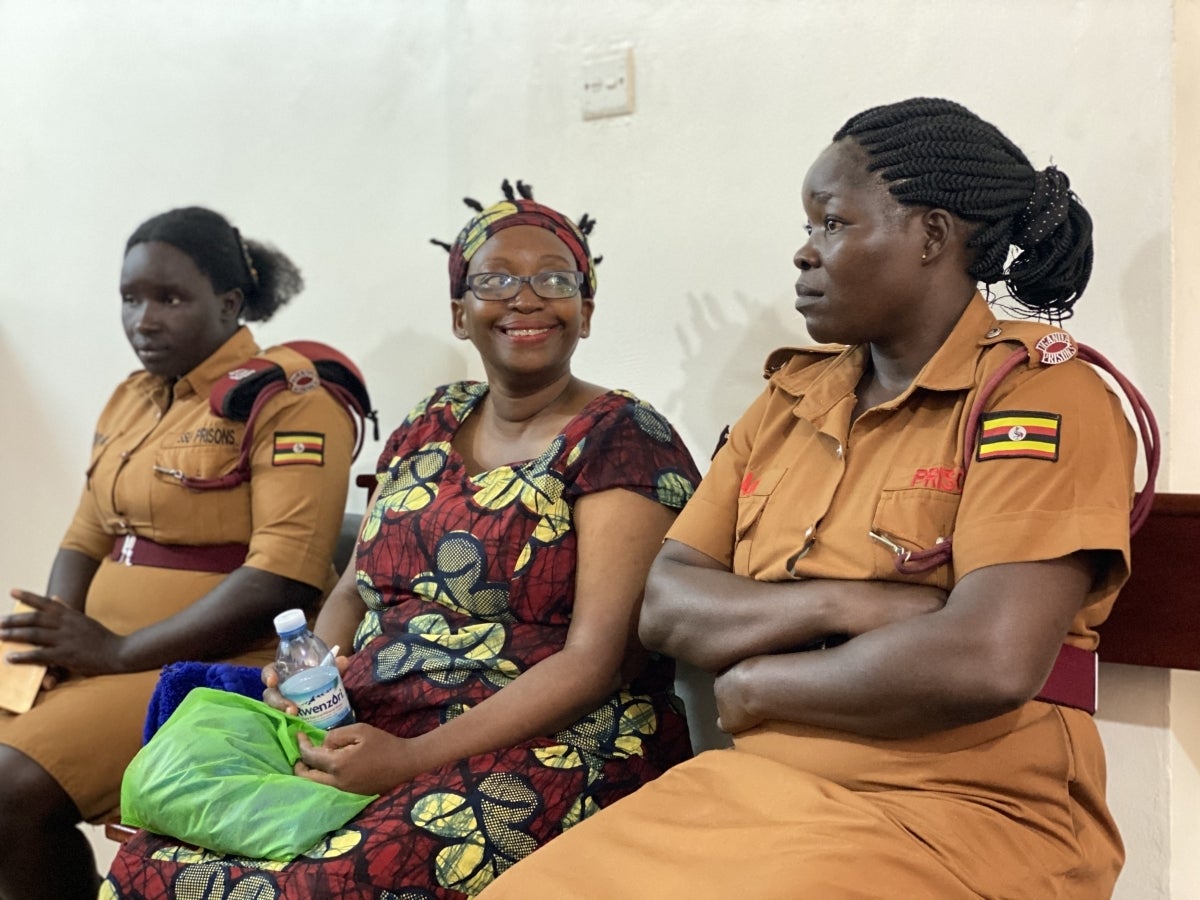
point(608, 84)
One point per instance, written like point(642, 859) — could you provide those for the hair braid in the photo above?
point(937, 153)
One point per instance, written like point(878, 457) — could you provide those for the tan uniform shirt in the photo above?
point(1054, 474)
point(289, 512)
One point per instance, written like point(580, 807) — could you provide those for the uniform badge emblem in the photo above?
point(302, 381)
point(1056, 347)
point(1018, 434)
point(298, 448)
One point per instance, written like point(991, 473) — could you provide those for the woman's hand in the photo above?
point(358, 758)
point(859, 607)
point(272, 696)
point(728, 687)
point(63, 638)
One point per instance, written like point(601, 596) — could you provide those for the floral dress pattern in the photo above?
point(469, 581)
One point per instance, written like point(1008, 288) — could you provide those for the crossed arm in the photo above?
point(914, 664)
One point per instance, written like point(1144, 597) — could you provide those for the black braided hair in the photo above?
point(937, 153)
point(268, 279)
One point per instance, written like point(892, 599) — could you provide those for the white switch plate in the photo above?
point(608, 84)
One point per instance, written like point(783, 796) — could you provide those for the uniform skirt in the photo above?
point(1011, 807)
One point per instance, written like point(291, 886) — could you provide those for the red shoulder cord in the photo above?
point(914, 562)
point(241, 472)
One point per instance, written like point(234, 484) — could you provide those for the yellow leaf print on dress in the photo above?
point(457, 579)
point(484, 829)
point(537, 487)
point(613, 731)
point(339, 843)
point(673, 489)
point(212, 881)
point(583, 807)
point(649, 419)
point(447, 657)
point(407, 484)
point(371, 625)
point(197, 856)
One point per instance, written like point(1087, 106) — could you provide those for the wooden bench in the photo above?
point(1156, 621)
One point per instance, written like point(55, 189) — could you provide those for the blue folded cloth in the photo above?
point(177, 679)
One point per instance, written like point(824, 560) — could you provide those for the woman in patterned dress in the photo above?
point(507, 545)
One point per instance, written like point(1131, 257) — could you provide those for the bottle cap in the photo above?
point(289, 621)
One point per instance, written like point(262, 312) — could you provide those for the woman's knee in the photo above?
point(28, 787)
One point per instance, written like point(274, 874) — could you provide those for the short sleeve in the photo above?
point(1052, 475)
point(634, 447)
point(86, 533)
point(300, 469)
point(710, 520)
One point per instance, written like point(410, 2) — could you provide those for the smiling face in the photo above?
point(527, 337)
point(172, 317)
point(861, 278)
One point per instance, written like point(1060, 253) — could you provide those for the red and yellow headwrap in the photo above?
point(519, 211)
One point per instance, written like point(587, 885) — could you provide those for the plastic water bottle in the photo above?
point(308, 675)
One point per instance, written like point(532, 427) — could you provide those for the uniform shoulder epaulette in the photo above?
point(1045, 343)
point(295, 366)
point(804, 356)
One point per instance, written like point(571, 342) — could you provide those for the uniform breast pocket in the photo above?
point(753, 498)
point(219, 515)
point(914, 518)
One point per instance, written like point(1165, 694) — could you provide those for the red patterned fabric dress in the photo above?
point(469, 581)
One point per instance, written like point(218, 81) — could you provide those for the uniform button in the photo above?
point(994, 331)
point(124, 454)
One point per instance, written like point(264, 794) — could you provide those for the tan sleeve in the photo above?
point(300, 468)
point(1030, 509)
point(85, 534)
point(709, 521)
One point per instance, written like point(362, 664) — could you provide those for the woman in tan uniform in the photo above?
point(895, 731)
point(150, 571)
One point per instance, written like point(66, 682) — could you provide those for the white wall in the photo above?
point(345, 133)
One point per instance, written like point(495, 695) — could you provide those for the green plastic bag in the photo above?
point(218, 774)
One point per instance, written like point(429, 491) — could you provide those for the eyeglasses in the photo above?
point(502, 286)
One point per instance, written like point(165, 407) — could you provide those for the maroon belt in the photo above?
point(1072, 681)
point(132, 550)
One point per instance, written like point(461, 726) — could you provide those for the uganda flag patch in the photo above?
point(1018, 434)
point(299, 448)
